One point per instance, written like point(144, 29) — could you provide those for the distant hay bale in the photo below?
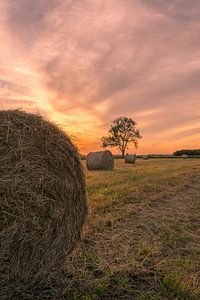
point(43, 200)
point(100, 160)
point(145, 157)
point(184, 156)
point(130, 158)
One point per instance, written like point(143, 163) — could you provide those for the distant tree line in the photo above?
point(187, 152)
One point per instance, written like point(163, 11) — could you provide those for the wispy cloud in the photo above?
point(85, 62)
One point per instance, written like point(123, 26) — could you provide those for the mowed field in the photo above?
point(142, 237)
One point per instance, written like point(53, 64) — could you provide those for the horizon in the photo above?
point(82, 64)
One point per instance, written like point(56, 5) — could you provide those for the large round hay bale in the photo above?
point(42, 199)
point(130, 158)
point(100, 160)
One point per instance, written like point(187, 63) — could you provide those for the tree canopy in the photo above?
point(122, 133)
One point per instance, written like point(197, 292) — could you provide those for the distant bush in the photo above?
point(187, 152)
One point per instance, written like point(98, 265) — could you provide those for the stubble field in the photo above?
point(142, 237)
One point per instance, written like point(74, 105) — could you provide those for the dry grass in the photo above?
point(142, 239)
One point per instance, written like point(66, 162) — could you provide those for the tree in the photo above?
point(122, 132)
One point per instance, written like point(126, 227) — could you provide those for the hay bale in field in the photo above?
point(100, 160)
point(184, 156)
point(130, 158)
point(42, 200)
point(145, 157)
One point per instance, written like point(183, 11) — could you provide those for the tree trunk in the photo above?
point(123, 153)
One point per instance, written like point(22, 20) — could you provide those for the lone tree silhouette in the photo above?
point(122, 132)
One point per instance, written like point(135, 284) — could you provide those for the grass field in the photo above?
point(142, 237)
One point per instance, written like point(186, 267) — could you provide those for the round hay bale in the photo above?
point(42, 199)
point(184, 156)
point(100, 160)
point(130, 158)
point(145, 157)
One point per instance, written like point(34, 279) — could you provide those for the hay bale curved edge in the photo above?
point(42, 199)
point(130, 158)
point(100, 160)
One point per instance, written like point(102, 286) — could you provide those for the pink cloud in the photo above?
point(104, 59)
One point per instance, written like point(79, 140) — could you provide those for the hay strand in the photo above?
point(42, 200)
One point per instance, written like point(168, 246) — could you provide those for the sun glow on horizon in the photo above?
point(82, 70)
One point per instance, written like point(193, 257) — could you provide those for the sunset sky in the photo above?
point(81, 63)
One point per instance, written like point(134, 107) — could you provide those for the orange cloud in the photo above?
point(83, 63)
